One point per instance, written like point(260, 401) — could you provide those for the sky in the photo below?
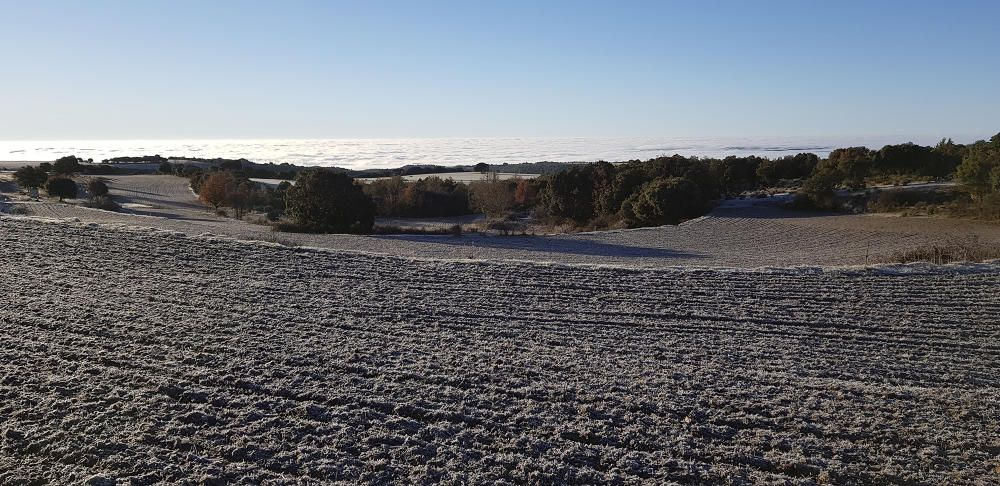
point(303, 69)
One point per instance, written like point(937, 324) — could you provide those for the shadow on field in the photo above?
point(174, 214)
point(547, 245)
point(769, 212)
point(125, 197)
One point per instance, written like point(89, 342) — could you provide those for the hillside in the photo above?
point(148, 356)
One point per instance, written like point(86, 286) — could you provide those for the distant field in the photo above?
point(7, 165)
point(737, 234)
point(151, 357)
point(457, 176)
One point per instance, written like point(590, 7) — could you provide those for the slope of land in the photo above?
point(145, 356)
point(735, 235)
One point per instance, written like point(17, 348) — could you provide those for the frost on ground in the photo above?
point(147, 357)
point(747, 233)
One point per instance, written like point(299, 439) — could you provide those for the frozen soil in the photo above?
point(735, 235)
point(143, 356)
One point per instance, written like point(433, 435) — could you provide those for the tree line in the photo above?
point(663, 190)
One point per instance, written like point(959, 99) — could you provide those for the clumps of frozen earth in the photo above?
point(142, 357)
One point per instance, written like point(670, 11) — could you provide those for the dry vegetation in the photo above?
point(148, 357)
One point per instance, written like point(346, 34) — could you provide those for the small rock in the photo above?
point(13, 435)
point(98, 480)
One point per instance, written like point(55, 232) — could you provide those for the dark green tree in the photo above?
point(30, 177)
point(570, 194)
point(664, 201)
point(853, 164)
point(329, 202)
point(67, 165)
point(819, 190)
point(980, 170)
point(61, 187)
point(799, 166)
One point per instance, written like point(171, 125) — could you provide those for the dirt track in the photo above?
point(146, 356)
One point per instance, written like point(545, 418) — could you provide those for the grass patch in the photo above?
point(967, 251)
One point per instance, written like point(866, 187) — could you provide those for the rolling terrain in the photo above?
point(143, 356)
point(743, 235)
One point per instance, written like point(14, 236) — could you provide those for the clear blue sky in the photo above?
point(218, 69)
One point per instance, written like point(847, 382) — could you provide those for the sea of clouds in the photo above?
point(383, 153)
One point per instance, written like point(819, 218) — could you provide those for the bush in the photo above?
point(507, 227)
point(215, 188)
point(329, 202)
point(735, 175)
point(917, 160)
point(427, 197)
point(852, 164)
point(61, 187)
point(243, 197)
point(493, 196)
point(664, 201)
point(29, 177)
point(980, 170)
point(97, 188)
point(894, 200)
point(957, 251)
point(799, 166)
point(104, 202)
point(526, 193)
point(818, 191)
point(570, 194)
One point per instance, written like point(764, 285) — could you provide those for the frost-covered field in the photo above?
point(744, 235)
point(149, 357)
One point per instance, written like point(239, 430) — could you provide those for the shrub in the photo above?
point(244, 196)
point(427, 197)
point(61, 187)
point(380, 229)
point(104, 202)
point(971, 250)
point(507, 227)
point(570, 194)
point(215, 188)
point(526, 193)
point(16, 209)
point(97, 188)
point(329, 202)
point(29, 177)
point(818, 191)
point(493, 196)
point(735, 175)
point(798, 166)
point(894, 200)
point(917, 160)
point(664, 201)
point(852, 164)
point(980, 169)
